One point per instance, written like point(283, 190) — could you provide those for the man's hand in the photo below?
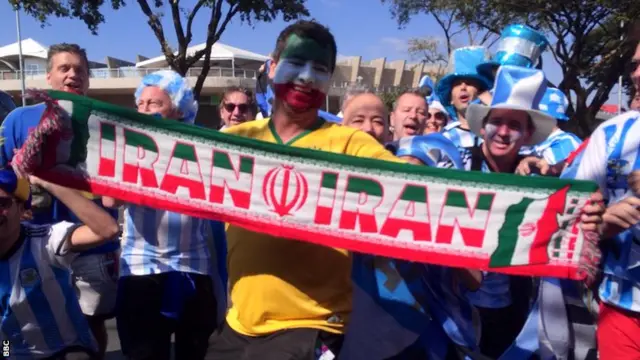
point(621, 216)
point(532, 164)
point(634, 182)
point(34, 180)
point(592, 213)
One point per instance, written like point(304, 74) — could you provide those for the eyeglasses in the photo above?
point(438, 116)
point(5, 202)
point(230, 107)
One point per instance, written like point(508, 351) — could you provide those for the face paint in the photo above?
point(302, 74)
point(491, 130)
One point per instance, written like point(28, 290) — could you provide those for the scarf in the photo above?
point(495, 222)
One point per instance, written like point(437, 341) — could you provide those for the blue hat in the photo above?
point(555, 103)
point(430, 149)
point(462, 65)
point(178, 89)
point(519, 45)
point(18, 187)
point(517, 88)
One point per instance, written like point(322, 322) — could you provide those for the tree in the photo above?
point(428, 51)
point(220, 13)
point(590, 39)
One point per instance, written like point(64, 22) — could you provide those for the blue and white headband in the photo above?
point(178, 89)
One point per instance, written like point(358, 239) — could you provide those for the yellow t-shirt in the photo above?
point(281, 284)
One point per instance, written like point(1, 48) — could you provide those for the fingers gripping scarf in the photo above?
point(178, 89)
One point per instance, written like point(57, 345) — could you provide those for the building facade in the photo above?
point(115, 80)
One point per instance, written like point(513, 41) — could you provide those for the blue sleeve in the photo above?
point(15, 129)
point(9, 141)
point(561, 149)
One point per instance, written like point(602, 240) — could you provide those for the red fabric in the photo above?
point(577, 151)
point(618, 333)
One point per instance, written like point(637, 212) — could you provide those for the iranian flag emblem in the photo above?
point(532, 222)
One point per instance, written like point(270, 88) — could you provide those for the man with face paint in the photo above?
point(289, 299)
point(509, 123)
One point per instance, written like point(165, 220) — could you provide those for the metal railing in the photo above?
point(133, 72)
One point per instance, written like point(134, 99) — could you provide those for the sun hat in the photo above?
point(519, 45)
point(463, 64)
point(516, 88)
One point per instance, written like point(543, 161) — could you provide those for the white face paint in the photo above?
point(303, 73)
point(491, 130)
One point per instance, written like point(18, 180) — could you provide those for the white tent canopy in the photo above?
point(30, 47)
point(219, 52)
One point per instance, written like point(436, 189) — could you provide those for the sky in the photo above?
point(361, 27)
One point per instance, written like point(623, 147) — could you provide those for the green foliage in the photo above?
point(588, 41)
point(390, 96)
point(220, 13)
point(85, 10)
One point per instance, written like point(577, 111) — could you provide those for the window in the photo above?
point(32, 69)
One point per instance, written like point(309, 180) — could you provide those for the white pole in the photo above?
point(620, 78)
point(23, 86)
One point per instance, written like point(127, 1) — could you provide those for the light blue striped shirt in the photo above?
point(40, 311)
point(464, 140)
point(612, 153)
point(556, 148)
point(158, 241)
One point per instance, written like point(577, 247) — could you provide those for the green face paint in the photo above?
point(307, 49)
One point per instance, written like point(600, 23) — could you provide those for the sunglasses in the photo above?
point(230, 107)
point(5, 202)
point(438, 116)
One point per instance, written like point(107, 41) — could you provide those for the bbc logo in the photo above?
point(6, 349)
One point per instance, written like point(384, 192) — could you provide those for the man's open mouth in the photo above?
point(73, 87)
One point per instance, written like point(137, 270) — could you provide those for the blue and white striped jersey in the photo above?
point(464, 140)
point(158, 241)
point(612, 153)
point(556, 148)
point(39, 306)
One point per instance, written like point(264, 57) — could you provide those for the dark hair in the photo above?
point(308, 29)
point(413, 91)
point(66, 48)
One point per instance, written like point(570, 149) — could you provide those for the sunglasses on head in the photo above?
point(230, 107)
point(5, 202)
point(438, 116)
